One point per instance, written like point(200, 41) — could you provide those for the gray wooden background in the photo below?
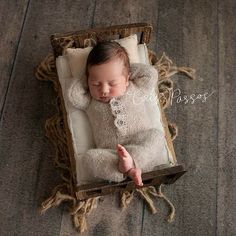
point(200, 34)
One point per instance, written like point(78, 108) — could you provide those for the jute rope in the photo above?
point(126, 198)
point(55, 131)
point(146, 194)
point(166, 69)
point(54, 128)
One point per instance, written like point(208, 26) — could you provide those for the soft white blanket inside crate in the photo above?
point(80, 127)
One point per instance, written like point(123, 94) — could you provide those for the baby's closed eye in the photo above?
point(110, 84)
point(96, 84)
point(113, 83)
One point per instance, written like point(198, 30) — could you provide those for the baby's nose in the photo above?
point(105, 89)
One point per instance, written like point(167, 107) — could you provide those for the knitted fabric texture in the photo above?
point(123, 120)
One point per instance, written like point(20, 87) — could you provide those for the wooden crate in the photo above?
point(81, 39)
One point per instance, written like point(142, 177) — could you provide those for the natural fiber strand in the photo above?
point(151, 190)
point(126, 198)
point(47, 70)
point(56, 198)
point(81, 210)
point(144, 194)
point(173, 130)
point(166, 69)
point(157, 191)
point(54, 128)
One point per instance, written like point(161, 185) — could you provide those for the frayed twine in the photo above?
point(54, 130)
point(47, 70)
point(56, 198)
point(151, 190)
point(146, 194)
point(126, 198)
point(173, 130)
point(157, 191)
point(79, 209)
point(166, 69)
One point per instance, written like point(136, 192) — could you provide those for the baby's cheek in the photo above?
point(116, 91)
point(93, 92)
point(122, 90)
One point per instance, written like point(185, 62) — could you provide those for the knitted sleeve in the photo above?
point(78, 95)
point(143, 76)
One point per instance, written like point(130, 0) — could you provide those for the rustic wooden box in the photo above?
point(57, 128)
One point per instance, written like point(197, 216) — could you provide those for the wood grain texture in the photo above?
point(126, 12)
point(110, 222)
point(27, 172)
point(12, 15)
point(115, 12)
point(186, 32)
point(200, 34)
point(226, 194)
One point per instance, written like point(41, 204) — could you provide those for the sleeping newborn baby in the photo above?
point(114, 94)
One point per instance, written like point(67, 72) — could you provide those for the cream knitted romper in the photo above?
point(124, 120)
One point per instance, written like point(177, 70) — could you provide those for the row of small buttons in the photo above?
point(118, 111)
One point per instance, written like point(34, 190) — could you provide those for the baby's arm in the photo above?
point(78, 95)
point(143, 76)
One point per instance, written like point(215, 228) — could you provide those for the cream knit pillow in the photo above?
point(130, 43)
point(77, 57)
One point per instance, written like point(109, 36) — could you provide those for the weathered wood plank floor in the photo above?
point(200, 34)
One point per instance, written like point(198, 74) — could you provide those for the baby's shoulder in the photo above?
point(140, 69)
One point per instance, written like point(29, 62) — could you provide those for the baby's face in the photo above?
point(107, 80)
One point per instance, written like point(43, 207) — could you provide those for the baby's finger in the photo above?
point(120, 147)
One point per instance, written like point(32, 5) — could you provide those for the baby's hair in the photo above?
point(104, 52)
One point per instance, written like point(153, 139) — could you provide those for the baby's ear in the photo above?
point(127, 79)
point(127, 83)
point(84, 80)
point(128, 76)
